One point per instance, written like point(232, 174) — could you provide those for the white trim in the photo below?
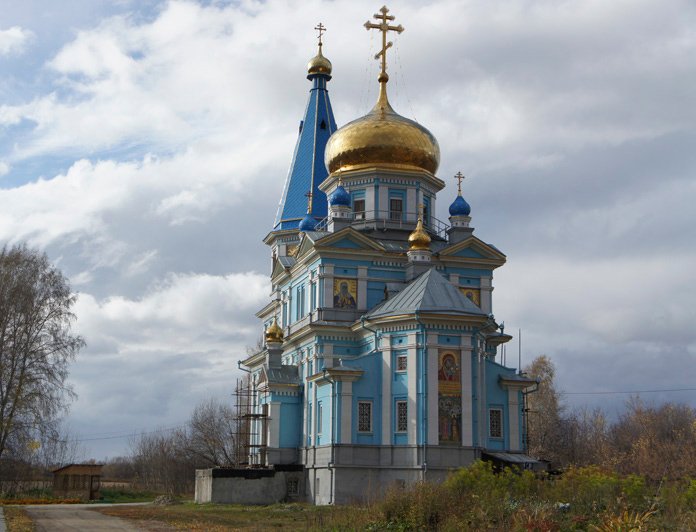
point(467, 402)
point(346, 411)
point(412, 390)
point(514, 410)
point(386, 391)
point(433, 391)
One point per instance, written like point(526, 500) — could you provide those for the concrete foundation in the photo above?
point(250, 486)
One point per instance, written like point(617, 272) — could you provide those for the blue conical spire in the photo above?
point(307, 170)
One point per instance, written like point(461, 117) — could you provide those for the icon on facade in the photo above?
point(449, 399)
point(345, 293)
point(474, 294)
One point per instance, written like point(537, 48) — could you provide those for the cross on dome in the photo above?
point(309, 197)
point(321, 29)
point(384, 27)
point(459, 176)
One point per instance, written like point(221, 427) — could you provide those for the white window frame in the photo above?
point(490, 423)
point(320, 415)
point(402, 403)
point(369, 429)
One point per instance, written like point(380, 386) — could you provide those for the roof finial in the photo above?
point(309, 196)
point(384, 27)
point(459, 176)
point(321, 29)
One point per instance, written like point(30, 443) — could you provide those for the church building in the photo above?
point(381, 363)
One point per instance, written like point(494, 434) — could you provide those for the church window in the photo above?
point(396, 209)
point(495, 422)
point(401, 363)
point(401, 416)
point(364, 416)
point(426, 211)
point(359, 209)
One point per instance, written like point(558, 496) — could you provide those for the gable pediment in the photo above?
point(473, 248)
point(348, 238)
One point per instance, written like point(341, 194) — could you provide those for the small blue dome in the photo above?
point(339, 197)
point(459, 207)
point(308, 223)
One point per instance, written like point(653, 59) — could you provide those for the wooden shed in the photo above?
point(77, 481)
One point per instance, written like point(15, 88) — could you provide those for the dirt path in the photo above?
point(82, 517)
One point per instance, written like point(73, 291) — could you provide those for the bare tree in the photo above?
point(211, 434)
point(545, 409)
point(36, 347)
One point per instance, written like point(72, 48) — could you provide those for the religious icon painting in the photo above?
point(474, 294)
point(449, 398)
point(345, 293)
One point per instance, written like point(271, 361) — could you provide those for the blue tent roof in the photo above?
point(307, 170)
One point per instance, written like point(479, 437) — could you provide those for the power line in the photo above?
point(631, 391)
point(128, 435)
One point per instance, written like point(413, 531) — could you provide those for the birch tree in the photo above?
point(37, 345)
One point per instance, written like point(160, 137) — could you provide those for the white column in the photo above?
point(303, 377)
point(346, 412)
point(273, 437)
point(314, 415)
point(467, 406)
point(383, 200)
point(412, 390)
point(431, 364)
point(514, 417)
point(486, 294)
point(362, 287)
point(411, 205)
point(370, 202)
point(386, 391)
point(328, 276)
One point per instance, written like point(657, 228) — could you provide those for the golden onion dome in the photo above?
point(382, 138)
point(274, 333)
point(419, 239)
point(319, 64)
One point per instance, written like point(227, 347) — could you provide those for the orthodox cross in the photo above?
point(421, 208)
point(309, 202)
point(321, 29)
point(459, 176)
point(384, 27)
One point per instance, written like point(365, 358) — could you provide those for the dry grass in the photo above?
point(17, 520)
point(214, 517)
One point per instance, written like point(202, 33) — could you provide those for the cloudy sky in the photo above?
point(144, 145)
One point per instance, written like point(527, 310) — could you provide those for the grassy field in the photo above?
point(474, 498)
point(217, 517)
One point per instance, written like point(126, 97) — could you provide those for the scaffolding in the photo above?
point(251, 425)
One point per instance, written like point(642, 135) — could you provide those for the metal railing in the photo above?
point(390, 220)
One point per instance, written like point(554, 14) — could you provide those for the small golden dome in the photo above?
point(382, 138)
point(274, 333)
point(419, 240)
point(319, 64)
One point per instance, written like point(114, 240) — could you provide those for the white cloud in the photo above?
point(181, 313)
point(160, 136)
point(14, 40)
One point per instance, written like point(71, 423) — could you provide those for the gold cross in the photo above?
point(421, 208)
point(321, 29)
point(459, 176)
point(384, 27)
point(309, 202)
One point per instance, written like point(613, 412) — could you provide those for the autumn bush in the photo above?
point(477, 498)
